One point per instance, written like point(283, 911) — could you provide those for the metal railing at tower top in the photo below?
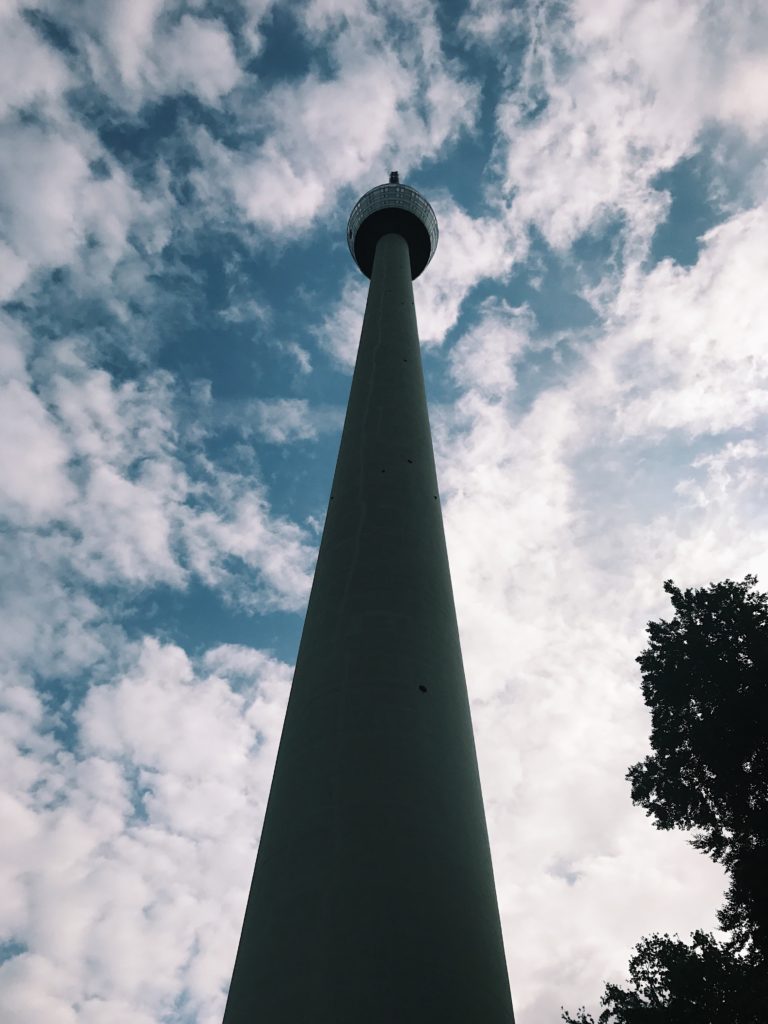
point(387, 197)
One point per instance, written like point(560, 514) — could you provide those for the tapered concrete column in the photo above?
point(373, 899)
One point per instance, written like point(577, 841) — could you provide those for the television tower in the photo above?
point(373, 899)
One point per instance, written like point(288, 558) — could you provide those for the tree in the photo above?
point(672, 982)
point(705, 679)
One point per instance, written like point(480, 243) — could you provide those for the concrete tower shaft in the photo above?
point(373, 899)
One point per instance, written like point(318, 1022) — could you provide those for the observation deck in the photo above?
point(389, 208)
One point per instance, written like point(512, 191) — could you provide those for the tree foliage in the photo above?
point(673, 982)
point(705, 679)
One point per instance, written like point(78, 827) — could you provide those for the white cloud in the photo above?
point(297, 353)
point(100, 463)
point(138, 903)
point(247, 311)
point(273, 547)
point(141, 51)
point(255, 12)
point(30, 71)
point(128, 525)
point(33, 481)
point(469, 250)
point(57, 212)
point(743, 97)
point(64, 201)
point(339, 332)
point(127, 35)
point(195, 56)
point(488, 21)
point(280, 420)
point(44, 178)
point(484, 358)
point(276, 420)
point(626, 90)
point(689, 342)
point(13, 272)
point(383, 105)
point(320, 138)
point(33, 990)
point(735, 469)
point(47, 626)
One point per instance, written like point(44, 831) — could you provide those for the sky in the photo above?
point(178, 327)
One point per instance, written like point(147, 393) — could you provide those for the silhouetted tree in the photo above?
point(673, 982)
point(705, 679)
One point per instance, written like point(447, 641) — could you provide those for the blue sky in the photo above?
point(179, 321)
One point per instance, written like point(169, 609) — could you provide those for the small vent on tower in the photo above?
point(394, 178)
